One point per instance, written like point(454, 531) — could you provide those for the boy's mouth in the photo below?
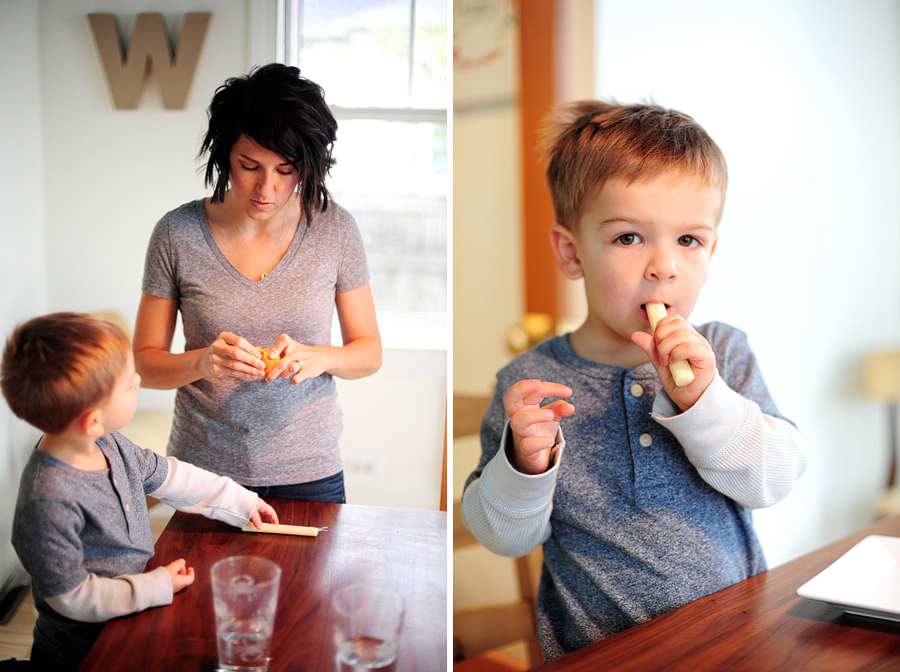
point(644, 313)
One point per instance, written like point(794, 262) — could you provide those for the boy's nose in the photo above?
point(661, 267)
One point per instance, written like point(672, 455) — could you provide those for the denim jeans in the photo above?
point(329, 489)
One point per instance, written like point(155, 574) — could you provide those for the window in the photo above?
point(384, 67)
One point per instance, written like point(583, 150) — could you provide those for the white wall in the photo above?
point(83, 184)
point(111, 174)
point(393, 440)
point(22, 240)
point(487, 243)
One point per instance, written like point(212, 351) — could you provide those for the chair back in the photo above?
point(481, 628)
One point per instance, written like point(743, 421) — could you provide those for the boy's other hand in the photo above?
point(182, 576)
point(263, 510)
point(534, 427)
point(676, 340)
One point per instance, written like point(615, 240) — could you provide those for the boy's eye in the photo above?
point(627, 239)
point(687, 241)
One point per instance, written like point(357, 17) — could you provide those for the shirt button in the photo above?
point(128, 508)
point(636, 390)
point(115, 482)
point(645, 440)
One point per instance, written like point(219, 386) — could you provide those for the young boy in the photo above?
point(644, 506)
point(81, 526)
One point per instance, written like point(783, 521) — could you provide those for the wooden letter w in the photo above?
point(126, 74)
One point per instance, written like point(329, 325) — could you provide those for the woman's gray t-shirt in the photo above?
point(257, 433)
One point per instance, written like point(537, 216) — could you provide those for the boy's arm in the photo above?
point(194, 490)
point(753, 457)
point(98, 599)
point(47, 539)
point(506, 510)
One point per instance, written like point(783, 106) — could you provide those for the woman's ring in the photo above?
point(300, 363)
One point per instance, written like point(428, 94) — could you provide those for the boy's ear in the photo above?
point(90, 425)
point(565, 249)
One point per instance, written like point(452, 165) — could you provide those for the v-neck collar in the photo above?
point(230, 268)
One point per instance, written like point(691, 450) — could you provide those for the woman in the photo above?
point(263, 262)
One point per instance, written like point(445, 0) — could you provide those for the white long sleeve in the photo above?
point(508, 511)
point(98, 599)
point(740, 451)
point(194, 490)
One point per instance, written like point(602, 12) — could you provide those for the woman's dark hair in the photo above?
point(282, 112)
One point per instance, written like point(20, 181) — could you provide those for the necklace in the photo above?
point(244, 240)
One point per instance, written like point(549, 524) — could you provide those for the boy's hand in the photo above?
point(534, 428)
point(263, 510)
point(181, 575)
point(673, 341)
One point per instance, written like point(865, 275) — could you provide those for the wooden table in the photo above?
point(403, 547)
point(759, 624)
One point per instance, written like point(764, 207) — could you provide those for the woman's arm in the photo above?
point(162, 370)
point(359, 356)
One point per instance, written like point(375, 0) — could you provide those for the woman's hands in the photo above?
point(533, 426)
point(300, 362)
point(231, 355)
point(360, 354)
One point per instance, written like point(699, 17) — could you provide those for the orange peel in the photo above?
point(269, 362)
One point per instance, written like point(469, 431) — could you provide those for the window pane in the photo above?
point(358, 50)
point(393, 177)
point(429, 85)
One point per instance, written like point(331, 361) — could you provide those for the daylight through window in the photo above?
point(383, 65)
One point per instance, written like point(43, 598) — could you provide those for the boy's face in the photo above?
point(638, 243)
point(119, 407)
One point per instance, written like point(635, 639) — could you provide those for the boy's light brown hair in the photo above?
point(588, 143)
point(59, 366)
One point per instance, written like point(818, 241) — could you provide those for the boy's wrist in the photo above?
point(507, 446)
point(517, 490)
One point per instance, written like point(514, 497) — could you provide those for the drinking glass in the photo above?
point(245, 594)
point(368, 622)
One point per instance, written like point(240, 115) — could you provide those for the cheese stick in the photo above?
point(681, 370)
point(295, 530)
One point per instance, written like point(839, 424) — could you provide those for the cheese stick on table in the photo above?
point(681, 370)
point(295, 530)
